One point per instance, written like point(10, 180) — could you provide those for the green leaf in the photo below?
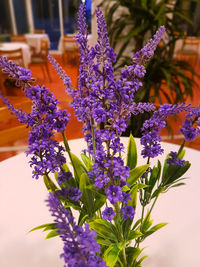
point(132, 254)
point(103, 242)
point(111, 255)
point(65, 167)
point(154, 229)
point(49, 225)
point(131, 160)
point(161, 12)
point(133, 234)
point(49, 184)
point(154, 177)
point(99, 201)
point(141, 260)
point(133, 193)
point(51, 234)
point(87, 161)
point(103, 229)
point(182, 16)
point(174, 172)
point(136, 224)
point(82, 219)
point(144, 3)
point(159, 190)
point(146, 223)
point(87, 195)
point(136, 173)
point(79, 167)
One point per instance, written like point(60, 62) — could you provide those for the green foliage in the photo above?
point(119, 239)
point(131, 161)
point(111, 255)
point(136, 173)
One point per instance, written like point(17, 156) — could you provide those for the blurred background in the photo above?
point(30, 29)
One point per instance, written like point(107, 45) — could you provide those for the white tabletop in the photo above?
point(22, 207)
point(16, 45)
point(33, 39)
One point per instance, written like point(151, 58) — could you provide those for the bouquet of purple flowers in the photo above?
point(101, 188)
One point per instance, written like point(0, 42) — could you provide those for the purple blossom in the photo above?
point(191, 125)
point(114, 193)
point(63, 176)
point(175, 160)
point(128, 212)
point(80, 247)
point(126, 197)
point(44, 119)
point(148, 50)
point(74, 193)
point(108, 214)
point(21, 75)
point(151, 128)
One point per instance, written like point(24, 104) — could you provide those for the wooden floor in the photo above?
point(74, 128)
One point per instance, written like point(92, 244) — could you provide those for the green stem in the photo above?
point(117, 208)
point(124, 257)
point(67, 148)
point(142, 217)
point(154, 202)
point(93, 136)
point(181, 148)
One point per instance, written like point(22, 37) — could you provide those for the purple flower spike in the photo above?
point(143, 56)
point(174, 160)
point(191, 125)
point(150, 138)
point(80, 247)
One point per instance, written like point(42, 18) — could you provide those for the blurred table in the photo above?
point(15, 45)
point(22, 207)
point(34, 39)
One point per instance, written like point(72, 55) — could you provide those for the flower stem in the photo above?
point(67, 148)
point(93, 136)
point(181, 148)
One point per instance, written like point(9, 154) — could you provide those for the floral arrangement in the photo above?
point(100, 187)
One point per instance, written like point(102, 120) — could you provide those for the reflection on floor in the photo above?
point(74, 128)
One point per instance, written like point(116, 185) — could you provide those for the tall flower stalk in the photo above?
point(101, 188)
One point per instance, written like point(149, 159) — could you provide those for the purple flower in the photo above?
point(63, 176)
point(128, 211)
point(113, 193)
point(148, 50)
point(108, 214)
point(175, 160)
point(19, 74)
point(150, 138)
point(74, 193)
point(44, 119)
point(191, 125)
point(80, 247)
point(126, 197)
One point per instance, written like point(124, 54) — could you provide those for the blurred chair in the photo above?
point(189, 50)
point(18, 38)
point(39, 31)
point(70, 49)
point(11, 131)
point(14, 55)
point(41, 59)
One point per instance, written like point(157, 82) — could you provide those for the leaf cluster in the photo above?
point(119, 238)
